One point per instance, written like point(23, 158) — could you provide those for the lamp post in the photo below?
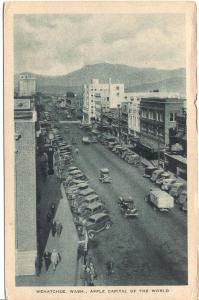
point(119, 125)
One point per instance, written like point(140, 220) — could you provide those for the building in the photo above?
point(157, 120)
point(98, 97)
point(27, 85)
point(25, 186)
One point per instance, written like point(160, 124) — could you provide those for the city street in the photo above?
point(148, 250)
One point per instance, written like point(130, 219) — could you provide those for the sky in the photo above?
point(60, 44)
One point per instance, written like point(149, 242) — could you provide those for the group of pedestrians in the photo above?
point(53, 258)
point(56, 228)
point(89, 273)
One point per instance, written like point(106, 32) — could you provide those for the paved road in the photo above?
point(149, 250)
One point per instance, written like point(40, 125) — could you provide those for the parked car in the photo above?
point(156, 174)
point(74, 172)
point(87, 211)
point(89, 199)
point(164, 175)
point(182, 200)
point(160, 200)
point(167, 183)
point(176, 189)
point(97, 223)
point(86, 140)
point(72, 168)
point(86, 192)
point(94, 140)
point(80, 176)
point(149, 171)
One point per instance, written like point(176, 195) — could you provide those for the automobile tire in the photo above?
point(91, 235)
point(108, 225)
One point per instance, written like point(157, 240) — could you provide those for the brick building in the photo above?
point(157, 120)
point(25, 187)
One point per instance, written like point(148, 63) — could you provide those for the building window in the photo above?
point(159, 116)
point(144, 113)
point(117, 88)
point(172, 116)
point(150, 115)
point(107, 98)
point(118, 94)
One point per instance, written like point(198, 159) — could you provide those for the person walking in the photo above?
point(55, 259)
point(109, 267)
point(59, 228)
point(92, 273)
point(54, 227)
point(77, 151)
point(49, 218)
point(47, 259)
point(52, 209)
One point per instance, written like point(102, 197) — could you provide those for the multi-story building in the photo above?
point(98, 97)
point(25, 186)
point(27, 85)
point(157, 120)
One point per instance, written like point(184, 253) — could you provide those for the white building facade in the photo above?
point(27, 85)
point(100, 96)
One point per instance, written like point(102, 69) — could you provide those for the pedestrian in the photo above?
point(77, 151)
point(92, 272)
point(109, 267)
point(52, 209)
point(54, 227)
point(49, 217)
point(47, 259)
point(59, 228)
point(55, 258)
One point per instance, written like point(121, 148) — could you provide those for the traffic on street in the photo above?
point(130, 240)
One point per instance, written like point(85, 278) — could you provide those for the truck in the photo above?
point(160, 200)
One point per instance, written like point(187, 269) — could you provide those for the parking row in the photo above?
point(89, 211)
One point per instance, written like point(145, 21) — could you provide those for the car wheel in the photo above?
point(91, 235)
point(108, 225)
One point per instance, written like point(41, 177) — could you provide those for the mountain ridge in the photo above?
point(119, 73)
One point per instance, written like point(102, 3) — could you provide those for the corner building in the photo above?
point(25, 187)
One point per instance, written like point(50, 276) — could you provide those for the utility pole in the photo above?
point(158, 127)
point(101, 120)
point(119, 125)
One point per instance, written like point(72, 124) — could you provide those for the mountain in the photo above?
point(130, 76)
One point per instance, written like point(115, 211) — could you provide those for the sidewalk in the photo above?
point(68, 270)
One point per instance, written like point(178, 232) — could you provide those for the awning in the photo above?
point(150, 145)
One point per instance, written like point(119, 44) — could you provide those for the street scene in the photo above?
point(101, 175)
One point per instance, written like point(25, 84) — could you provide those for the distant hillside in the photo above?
point(176, 84)
point(131, 77)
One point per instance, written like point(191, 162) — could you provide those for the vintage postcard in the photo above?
point(100, 150)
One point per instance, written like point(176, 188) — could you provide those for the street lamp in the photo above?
point(119, 116)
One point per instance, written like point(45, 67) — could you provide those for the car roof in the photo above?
point(94, 204)
point(72, 168)
point(98, 215)
point(176, 184)
point(160, 193)
point(104, 170)
point(91, 197)
point(82, 184)
point(88, 190)
point(128, 199)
